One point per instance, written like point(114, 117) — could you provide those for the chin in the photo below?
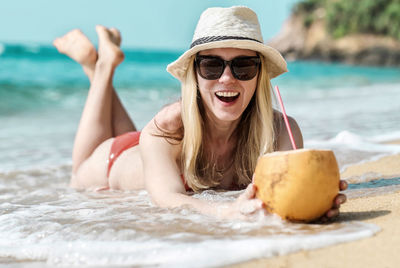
point(227, 116)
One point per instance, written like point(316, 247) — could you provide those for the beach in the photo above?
point(380, 250)
point(351, 110)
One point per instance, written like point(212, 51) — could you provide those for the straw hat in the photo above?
point(234, 27)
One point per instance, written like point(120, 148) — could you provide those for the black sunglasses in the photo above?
point(242, 68)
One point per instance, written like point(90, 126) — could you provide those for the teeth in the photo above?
point(227, 94)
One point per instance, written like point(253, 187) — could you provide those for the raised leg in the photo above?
point(96, 124)
point(78, 47)
point(121, 121)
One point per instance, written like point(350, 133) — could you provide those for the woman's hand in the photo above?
point(339, 199)
point(244, 207)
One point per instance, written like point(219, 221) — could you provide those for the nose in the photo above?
point(227, 76)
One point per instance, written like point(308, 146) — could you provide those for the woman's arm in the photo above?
point(163, 177)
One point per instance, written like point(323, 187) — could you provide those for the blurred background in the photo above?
point(342, 86)
point(144, 24)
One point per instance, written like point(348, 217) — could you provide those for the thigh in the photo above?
point(92, 173)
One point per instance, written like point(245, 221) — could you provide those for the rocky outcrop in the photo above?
point(296, 41)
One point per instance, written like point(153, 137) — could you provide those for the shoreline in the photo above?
point(381, 209)
point(380, 250)
point(385, 167)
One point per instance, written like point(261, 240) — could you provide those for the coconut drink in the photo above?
point(298, 185)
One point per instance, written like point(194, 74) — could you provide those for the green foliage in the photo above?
point(307, 8)
point(345, 17)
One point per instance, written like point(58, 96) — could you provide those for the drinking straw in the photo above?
point(285, 118)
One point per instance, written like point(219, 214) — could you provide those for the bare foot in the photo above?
point(78, 47)
point(109, 51)
point(115, 36)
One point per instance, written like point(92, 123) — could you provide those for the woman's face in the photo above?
point(226, 98)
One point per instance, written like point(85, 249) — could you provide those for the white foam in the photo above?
point(386, 137)
point(346, 139)
point(48, 222)
point(207, 253)
point(351, 149)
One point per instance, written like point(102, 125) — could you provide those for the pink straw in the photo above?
point(286, 119)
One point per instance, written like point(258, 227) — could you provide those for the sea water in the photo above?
point(351, 110)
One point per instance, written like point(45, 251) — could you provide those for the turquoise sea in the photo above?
point(351, 110)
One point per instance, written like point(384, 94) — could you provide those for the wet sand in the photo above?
point(380, 250)
point(385, 167)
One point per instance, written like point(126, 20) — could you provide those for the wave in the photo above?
point(46, 221)
point(47, 51)
point(351, 149)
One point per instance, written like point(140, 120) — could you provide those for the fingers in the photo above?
point(249, 193)
point(343, 185)
point(340, 199)
point(329, 216)
point(332, 213)
point(246, 203)
point(251, 206)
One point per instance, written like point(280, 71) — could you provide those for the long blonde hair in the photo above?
point(255, 132)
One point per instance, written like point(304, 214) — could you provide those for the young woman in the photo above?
point(210, 139)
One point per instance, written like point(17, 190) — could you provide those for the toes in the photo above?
point(73, 33)
point(112, 35)
point(59, 44)
point(56, 43)
point(116, 36)
point(102, 32)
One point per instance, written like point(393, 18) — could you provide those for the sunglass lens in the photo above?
point(245, 68)
point(210, 68)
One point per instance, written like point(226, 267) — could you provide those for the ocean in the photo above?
point(351, 110)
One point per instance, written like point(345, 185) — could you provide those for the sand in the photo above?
point(380, 250)
point(386, 167)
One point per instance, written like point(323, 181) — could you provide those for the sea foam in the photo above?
point(44, 220)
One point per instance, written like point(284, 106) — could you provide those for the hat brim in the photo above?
point(276, 63)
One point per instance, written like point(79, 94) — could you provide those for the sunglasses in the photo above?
point(242, 68)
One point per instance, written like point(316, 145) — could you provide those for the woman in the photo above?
point(210, 139)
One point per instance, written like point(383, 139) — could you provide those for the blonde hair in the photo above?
point(255, 132)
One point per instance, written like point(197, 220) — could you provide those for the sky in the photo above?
point(149, 24)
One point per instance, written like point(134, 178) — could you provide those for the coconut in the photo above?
point(298, 185)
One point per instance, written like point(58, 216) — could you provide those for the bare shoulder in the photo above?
point(164, 130)
point(169, 119)
point(282, 137)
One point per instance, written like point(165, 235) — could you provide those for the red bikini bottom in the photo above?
point(124, 142)
point(121, 143)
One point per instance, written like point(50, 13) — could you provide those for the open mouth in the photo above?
point(227, 96)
